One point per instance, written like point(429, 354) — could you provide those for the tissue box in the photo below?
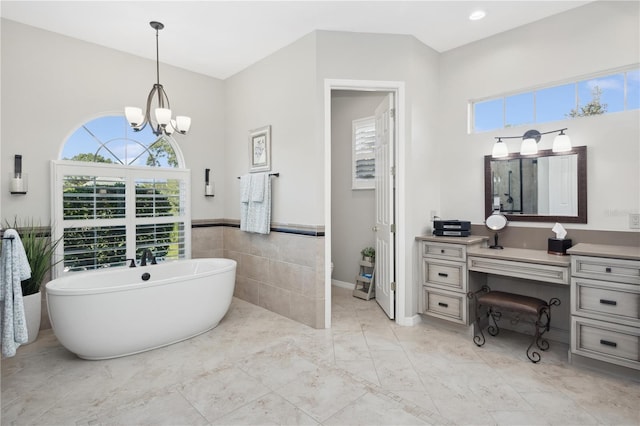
point(559, 246)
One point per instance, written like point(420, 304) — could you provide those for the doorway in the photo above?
point(351, 214)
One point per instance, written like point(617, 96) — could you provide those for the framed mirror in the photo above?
point(546, 187)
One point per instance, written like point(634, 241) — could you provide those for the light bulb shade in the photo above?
point(134, 116)
point(163, 116)
point(168, 130)
point(529, 147)
point(183, 124)
point(499, 150)
point(562, 143)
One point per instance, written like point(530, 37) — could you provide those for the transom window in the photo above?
point(117, 193)
point(613, 92)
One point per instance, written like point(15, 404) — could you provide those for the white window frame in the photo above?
point(471, 119)
point(61, 168)
point(356, 182)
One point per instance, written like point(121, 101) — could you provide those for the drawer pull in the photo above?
point(442, 274)
point(444, 305)
point(608, 302)
point(442, 251)
point(608, 343)
point(607, 269)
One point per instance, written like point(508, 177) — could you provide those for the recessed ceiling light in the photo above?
point(477, 15)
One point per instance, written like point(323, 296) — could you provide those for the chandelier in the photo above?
point(162, 123)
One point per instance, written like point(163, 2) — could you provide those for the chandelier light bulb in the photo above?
point(163, 116)
point(134, 116)
point(182, 124)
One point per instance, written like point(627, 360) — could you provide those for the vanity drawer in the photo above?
point(606, 300)
point(442, 304)
point(603, 268)
point(445, 251)
point(511, 268)
point(605, 341)
point(450, 275)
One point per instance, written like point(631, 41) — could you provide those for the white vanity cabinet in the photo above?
point(605, 303)
point(444, 276)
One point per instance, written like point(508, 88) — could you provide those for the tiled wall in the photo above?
point(281, 272)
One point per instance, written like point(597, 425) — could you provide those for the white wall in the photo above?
point(277, 91)
point(357, 56)
point(352, 211)
point(590, 39)
point(51, 84)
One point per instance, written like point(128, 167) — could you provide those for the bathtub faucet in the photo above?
point(147, 255)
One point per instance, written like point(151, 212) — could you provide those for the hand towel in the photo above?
point(245, 190)
point(258, 187)
point(259, 212)
point(14, 268)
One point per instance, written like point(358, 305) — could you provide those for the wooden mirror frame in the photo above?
point(581, 151)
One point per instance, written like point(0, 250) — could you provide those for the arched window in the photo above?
point(118, 192)
point(110, 139)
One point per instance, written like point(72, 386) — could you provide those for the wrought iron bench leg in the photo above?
point(479, 340)
point(541, 327)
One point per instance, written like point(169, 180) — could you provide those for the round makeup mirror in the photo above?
point(496, 222)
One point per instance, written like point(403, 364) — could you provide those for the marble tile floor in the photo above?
point(259, 368)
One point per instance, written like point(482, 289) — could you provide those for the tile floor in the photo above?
point(259, 368)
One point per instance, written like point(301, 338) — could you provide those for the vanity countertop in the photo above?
point(471, 239)
point(603, 250)
point(521, 255)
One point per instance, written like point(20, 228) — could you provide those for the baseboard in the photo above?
point(409, 321)
point(604, 367)
point(342, 284)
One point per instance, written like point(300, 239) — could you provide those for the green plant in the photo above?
point(368, 252)
point(39, 248)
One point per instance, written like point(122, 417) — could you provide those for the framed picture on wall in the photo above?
point(260, 149)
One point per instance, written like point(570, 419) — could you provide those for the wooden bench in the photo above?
point(497, 301)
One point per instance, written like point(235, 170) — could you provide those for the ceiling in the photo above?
point(221, 38)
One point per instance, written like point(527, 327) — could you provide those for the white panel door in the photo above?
point(384, 188)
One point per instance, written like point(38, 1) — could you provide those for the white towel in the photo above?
point(245, 190)
point(258, 218)
point(14, 268)
point(258, 187)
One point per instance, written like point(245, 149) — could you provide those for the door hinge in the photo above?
point(393, 227)
point(392, 113)
point(393, 285)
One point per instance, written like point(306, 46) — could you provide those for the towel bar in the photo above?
point(270, 174)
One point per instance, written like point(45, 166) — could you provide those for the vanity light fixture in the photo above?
point(499, 149)
point(162, 122)
point(530, 140)
point(562, 142)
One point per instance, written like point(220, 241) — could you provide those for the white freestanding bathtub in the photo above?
point(122, 311)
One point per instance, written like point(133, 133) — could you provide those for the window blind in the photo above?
point(364, 144)
point(108, 213)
